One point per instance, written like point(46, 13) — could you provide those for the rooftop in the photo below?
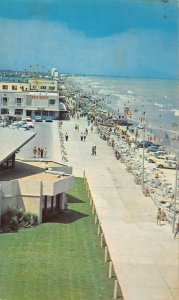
point(12, 140)
point(33, 170)
point(14, 79)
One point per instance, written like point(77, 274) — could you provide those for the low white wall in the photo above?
point(58, 187)
point(8, 198)
point(30, 188)
point(28, 195)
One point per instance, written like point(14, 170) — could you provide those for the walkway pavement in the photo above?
point(145, 256)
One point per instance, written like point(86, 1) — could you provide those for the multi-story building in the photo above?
point(42, 85)
point(36, 97)
point(54, 73)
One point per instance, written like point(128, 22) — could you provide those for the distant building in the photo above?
point(54, 73)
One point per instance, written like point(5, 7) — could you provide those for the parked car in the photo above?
point(152, 156)
point(166, 163)
point(38, 119)
point(28, 126)
point(27, 119)
point(159, 158)
point(123, 122)
point(152, 148)
point(140, 126)
point(144, 144)
point(49, 119)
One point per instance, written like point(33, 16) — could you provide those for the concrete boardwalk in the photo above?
point(145, 256)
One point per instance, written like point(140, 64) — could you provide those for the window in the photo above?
point(29, 101)
point(51, 113)
point(18, 111)
point(43, 87)
point(51, 102)
point(5, 87)
point(19, 101)
point(51, 88)
point(14, 87)
point(4, 101)
point(4, 111)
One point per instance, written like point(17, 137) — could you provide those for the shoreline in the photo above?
point(121, 136)
point(166, 136)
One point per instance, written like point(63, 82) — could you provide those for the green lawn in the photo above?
point(58, 260)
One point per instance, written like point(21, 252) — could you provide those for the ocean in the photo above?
point(156, 99)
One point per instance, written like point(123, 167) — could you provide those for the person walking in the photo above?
point(81, 136)
point(66, 137)
point(176, 228)
point(94, 150)
point(84, 137)
point(45, 152)
point(38, 151)
point(34, 152)
point(41, 152)
point(159, 216)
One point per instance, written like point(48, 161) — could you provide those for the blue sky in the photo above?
point(134, 38)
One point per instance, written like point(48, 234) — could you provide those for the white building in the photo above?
point(35, 98)
point(21, 186)
point(54, 73)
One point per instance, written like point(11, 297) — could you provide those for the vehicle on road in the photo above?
point(152, 148)
point(144, 144)
point(124, 122)
point(140, 126)
point(27, 119)
point(49, 119)
point(38, 119)
point(166, 164)
point(159, 158)
point(152, 156)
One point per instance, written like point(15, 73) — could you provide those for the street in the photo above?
point(46, 136)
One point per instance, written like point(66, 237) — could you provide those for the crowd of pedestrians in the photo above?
point(40, 152)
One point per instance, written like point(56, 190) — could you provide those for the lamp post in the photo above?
point(176, 188)
point(176, 192)
point(143, 157)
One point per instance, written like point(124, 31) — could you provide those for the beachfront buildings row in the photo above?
point(23, 97)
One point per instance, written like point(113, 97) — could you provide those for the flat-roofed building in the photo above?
point(42, 85)
point(34, 186)
point(11, 87)
point(23, 97)
point(10, 144)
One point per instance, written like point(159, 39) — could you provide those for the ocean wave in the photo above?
point(158, 104)
point(95, 83)
point(116, 95)
point(176, 112)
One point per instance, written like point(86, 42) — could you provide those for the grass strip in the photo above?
point(57, 260)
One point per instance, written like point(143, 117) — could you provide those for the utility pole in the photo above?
point(176, 193)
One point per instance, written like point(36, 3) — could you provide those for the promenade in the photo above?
point(145, 256)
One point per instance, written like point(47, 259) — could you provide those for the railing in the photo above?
point(107, 258)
